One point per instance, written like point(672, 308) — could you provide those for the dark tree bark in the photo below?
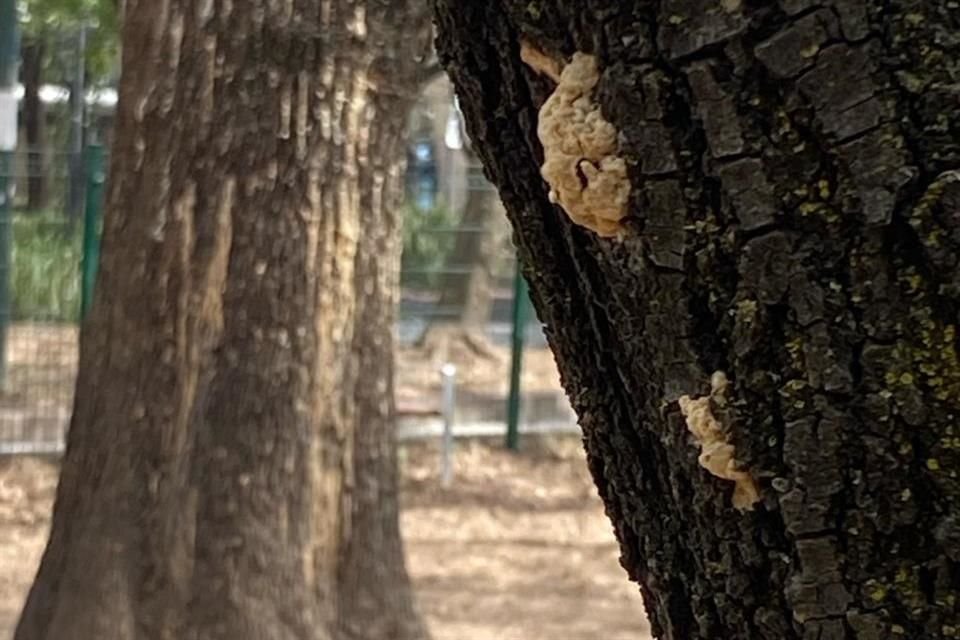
point(202, 491)
point(34, 116)
point(794, 222)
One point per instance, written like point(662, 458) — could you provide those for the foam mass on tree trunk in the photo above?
point(792, 230)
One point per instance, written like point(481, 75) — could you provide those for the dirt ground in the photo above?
point(517, 548)
point(37, 395)
point(37, 392)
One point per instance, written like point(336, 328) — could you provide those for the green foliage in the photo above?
point(45, 279)
point(427, 241)
point(51, 20)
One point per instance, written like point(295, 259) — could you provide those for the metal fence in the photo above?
point(506, 378)
point(48, 257)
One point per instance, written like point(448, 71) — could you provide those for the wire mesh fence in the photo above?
point(458, 303)
point(457, 308)
point(41, 252)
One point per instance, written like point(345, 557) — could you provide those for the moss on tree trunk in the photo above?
point(794, 222)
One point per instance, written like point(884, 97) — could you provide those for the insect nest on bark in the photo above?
point(716, 454)
point(586, 176)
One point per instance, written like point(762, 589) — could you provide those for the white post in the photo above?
point(9, 66)
point(448, 375)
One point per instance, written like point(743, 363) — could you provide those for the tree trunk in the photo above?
point(201, 491)
point(118, 562)
point(466, 298)
point(34, 122)
point(792, 223)
point(468, 278)
point(76, 104)
point(475, 248)
point(376, 597)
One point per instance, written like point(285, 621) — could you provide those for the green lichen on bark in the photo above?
point(793, 222)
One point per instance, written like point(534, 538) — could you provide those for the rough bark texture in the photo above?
point(795, 223)
point(201, 492)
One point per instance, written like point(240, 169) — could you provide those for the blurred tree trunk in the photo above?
point(793, 223)
point(34, 122)
point(467, 285)
point(376, 600)
point(201, 493)
point(466, 299)
point(76, 103)
point(475, 248)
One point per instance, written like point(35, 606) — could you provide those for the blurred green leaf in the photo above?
point(427, 242)
point(45, 278)
point(52, 20)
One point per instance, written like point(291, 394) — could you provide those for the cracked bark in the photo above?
point(794, 223)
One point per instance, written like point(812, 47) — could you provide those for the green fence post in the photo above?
point(6, 247)
point(521, 312)
point(92, 214)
